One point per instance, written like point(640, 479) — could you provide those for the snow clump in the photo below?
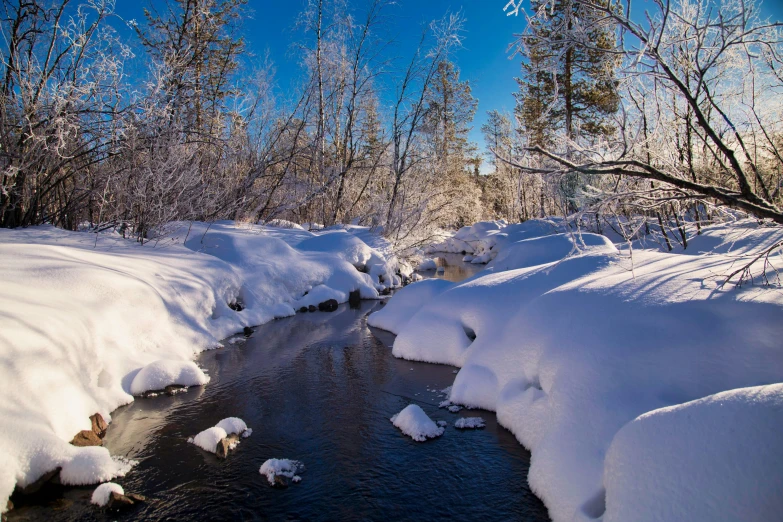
point(281, 467)
point(209, 438)
point(469, 423)
point(101, 495)
point(159, 374)
point(413, 422)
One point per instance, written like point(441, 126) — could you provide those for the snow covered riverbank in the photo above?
point(592, 358)
point(83, 323)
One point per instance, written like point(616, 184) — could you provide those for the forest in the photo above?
point(637, 121)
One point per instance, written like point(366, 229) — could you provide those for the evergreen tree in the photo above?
point(566, 87)
point(450, 111)
point(195, 42)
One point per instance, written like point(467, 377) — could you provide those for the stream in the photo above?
point(319, 388)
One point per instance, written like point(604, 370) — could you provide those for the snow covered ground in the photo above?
point(644, 389)
point(86, 324)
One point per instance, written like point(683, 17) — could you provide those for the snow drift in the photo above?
point(86, 322)
point(572, 342)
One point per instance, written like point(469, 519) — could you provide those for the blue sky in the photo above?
point(484, 60)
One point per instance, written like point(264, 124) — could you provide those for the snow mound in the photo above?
point(101, 495)
point(233, 425)
point(209, 438)
point(482, 241)
point(549, 249)
point(406, 303)
point(469, 423)
point(726, 447)
point(159, 374)
point(413, 422)
point(283, 223)
point(283, 467)
point(427, 264)
point(92, 466)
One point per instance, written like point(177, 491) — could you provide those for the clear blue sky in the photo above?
point(484, 60)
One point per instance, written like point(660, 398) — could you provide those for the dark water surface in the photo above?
point(319, 388)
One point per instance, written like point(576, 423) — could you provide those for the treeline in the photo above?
point(101, 133)
point(623, 123)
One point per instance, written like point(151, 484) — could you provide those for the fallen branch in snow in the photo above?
point(745, 271)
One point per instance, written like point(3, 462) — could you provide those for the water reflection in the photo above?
point(454, 269)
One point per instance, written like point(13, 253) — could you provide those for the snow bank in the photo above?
point(86, 322)
point(282, 467)
point(159, 374)
point(92, 465)
point(715, 459)
point(101, 495)
point(406, 303)
point(569, 350)
point(482, 241)
point(413, 422)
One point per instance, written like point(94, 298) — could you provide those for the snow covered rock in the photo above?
point(277, 471)
point(222, 438)
point(427, 264)
point(100, 497)
point(208, 439)
point(233, 425)
point(413, 422)
point(160, 374)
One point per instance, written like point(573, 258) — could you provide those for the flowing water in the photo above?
point(319, 388)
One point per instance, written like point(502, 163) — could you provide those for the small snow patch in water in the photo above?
point(100, 497)
point(282, 467)
point(454, 408)
point(444, 404)
point(209, 438)
point(469, 423)
point(413, 422)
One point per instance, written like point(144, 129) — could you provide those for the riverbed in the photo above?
point(319, 388)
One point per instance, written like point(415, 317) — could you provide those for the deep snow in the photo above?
point(586, 354)
point(87, 322)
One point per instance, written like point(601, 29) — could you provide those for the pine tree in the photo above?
point(195, 42)
point(566, 87)
point(450, 111)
